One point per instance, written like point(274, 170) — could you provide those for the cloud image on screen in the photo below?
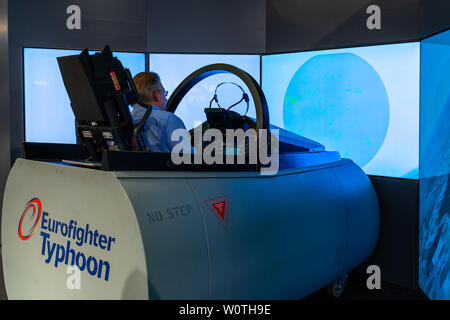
point(174, 68)
point(362, 102)
point(48, 115)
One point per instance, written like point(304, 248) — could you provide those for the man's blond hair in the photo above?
point(145, 83)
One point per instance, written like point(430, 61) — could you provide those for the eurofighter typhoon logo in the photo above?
point(76, 239)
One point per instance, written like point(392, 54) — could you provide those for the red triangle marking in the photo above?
point(220, 208)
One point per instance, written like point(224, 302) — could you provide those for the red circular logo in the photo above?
point(35, 206)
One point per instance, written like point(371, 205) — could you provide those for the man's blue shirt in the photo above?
point(158, 128)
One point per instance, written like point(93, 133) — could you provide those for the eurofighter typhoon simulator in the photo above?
point(279, 218)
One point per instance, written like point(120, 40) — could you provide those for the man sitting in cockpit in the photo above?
point(160, 124)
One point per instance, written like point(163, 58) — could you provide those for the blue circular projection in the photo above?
point(340, 101)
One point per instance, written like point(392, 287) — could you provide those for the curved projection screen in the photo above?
point(174, 68)
point(48, 115)
point(362, 102)
point(434, 187)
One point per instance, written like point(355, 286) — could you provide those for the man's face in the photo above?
point(160, 96)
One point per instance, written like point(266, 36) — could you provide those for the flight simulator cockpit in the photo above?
point(278, 218)
point(101, 89)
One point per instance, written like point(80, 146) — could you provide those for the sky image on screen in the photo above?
point(434, 188)
point(362, 102)
point(174, 68)
point(48, 115)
